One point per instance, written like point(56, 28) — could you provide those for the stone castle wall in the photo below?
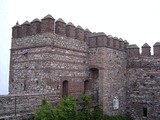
point(49, 56)
point(143, 86)
point(18, 106)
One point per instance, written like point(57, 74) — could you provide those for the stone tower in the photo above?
point(108, 55)
point(49, 56)
point(44, 59)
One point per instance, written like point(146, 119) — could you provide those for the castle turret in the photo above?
point(133, 50)
point(16, 31)
point(60, 27)
point(70, 30)
point(79, 33)
point(157, 49)
point(25, 29)
point(146, 50)
point(35, 27)
point(47, 24)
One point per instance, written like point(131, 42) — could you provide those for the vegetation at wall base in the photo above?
point(68, 110)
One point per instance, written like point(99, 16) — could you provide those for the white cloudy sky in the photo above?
point(137, 21)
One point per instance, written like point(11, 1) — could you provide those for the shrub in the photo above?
point(67, 110)
point(86, 99)
point(98, 113)
point(45, 112)
point(85, 113)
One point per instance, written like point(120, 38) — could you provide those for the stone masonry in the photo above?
point(53, 58)
point(143, 84)
point(13, 107)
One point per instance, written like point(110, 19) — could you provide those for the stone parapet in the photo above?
point(49, 39)
point(134, 51)
point(102, 40)
point(48, 25)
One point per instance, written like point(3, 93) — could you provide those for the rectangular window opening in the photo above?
point(145, 112)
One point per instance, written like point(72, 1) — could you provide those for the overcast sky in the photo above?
point(137, 21)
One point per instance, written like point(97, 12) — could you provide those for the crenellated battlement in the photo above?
point(102, 40)
point(134, 51)
point(48, 24)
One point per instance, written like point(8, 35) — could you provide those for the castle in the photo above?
point(52, 59)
